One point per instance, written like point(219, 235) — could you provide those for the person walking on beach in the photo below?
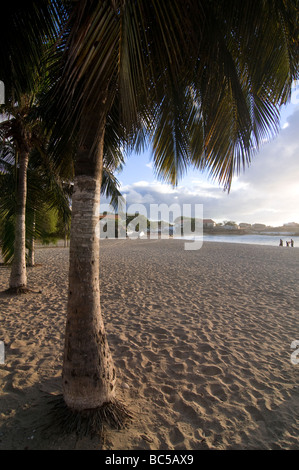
point(281, 242)
point(292, 242)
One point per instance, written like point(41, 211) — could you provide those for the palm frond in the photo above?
point(110, 187)
point(143, 58)
point(25, 28)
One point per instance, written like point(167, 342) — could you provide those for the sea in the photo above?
point(252, 239)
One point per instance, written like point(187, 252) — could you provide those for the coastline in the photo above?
point(201, 342)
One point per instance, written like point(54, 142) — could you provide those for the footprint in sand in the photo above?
point(186, 411)
point(217, 391)
point(210, 370)
point(205, 347)
point(176, 436)
point(254, 413)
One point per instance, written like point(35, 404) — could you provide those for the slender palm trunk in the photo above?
point(88, 369)
point(31, 248)
point(18, 276)
point(65, 238)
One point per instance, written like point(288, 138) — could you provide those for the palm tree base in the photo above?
point(86, 423)
point(20, 290)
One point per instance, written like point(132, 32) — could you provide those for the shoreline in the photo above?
point(201, 342)
point(207, 238)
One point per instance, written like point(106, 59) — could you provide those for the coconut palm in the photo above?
point(26, 27)
point(202, 80)
point(26, 31)
point(23, 134)
point(47, 191)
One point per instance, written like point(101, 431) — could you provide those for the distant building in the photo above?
point(209, 223)
point(291, 224)
point(185, 221)
point(258, 226)
point(244, 226)
point(230, 227)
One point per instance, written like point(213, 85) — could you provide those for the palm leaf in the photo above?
point(203, 81)
point(25, 28)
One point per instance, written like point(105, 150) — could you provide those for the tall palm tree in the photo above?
point(47, 190)
point(26, 31)
point(24, 134)
point(203, 80)
point(26, 27)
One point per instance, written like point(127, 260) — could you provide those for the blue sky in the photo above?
point(267, 192)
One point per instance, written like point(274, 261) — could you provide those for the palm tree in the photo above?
point(26, 32)
point(203, 81)
point(47, 190)
point(23, 134)
point(26, 27)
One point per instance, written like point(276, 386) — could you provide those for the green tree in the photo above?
point(26, 27)
point(23, 134)
point(48, 195)
point(27, 31)
point(23, 129)
point(48, 202)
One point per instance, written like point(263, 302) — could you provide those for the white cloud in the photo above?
point(266, 192)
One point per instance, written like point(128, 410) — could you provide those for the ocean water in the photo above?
point(271, 240)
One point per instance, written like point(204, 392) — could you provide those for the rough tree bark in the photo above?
point(31, 248)
point(88, 370)
point(18, 275)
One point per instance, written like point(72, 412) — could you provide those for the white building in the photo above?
point(209, 223)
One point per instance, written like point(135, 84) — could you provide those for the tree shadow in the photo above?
point(35, 418)
point(27, 419)
point(14, 291)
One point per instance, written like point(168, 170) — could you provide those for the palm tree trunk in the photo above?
point(88, 370)
point(31, 250)
point(18, 275)
point(65, 238)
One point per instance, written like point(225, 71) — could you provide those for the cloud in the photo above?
point(272, 179)
point(266, 192)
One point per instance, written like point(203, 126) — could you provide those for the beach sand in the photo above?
point(201, 341)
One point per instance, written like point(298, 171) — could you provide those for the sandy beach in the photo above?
point(201, 341)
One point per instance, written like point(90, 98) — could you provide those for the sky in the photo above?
point(266, 192)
